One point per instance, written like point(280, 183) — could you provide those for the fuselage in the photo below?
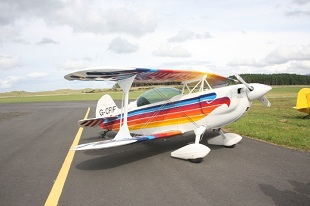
point(212, 108)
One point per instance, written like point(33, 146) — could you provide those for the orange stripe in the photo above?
point(163, 118)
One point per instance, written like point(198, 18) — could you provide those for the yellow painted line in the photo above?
point(59, 183)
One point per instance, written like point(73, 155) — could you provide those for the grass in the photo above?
point(280, 124)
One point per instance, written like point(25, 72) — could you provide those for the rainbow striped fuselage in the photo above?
point(179, 110)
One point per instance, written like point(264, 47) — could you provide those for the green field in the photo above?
point(62, 95)
point(280, 124)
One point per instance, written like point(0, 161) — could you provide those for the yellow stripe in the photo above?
point(168, 122)
point(56, 191)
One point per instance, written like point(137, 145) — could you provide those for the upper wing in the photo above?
point(115, 143)
point(144, 75)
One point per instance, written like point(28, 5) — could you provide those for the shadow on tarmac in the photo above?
point(299, 195)
point(118, 156)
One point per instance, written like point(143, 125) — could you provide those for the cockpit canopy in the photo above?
point(157, 95)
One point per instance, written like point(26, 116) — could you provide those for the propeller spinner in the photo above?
point(256, 91)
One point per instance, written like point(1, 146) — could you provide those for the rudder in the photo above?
point(106, 107)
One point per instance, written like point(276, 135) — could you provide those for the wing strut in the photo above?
point(125, 85)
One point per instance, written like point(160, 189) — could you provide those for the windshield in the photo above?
point(157, 95)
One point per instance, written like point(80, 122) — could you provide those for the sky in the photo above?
point(42, 41)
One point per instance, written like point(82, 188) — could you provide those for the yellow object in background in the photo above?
point(303, 101)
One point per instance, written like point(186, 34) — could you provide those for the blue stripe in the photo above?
point(146, 70)
point(145, 138)
point(181, 103)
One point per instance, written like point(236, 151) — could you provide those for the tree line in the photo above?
point(276, 79)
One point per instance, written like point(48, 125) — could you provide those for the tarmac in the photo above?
point(35, 139)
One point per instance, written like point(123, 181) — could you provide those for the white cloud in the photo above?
point(12, 10)
point(184, 35)
point(74, 65)
point(8, 31)
point(104, 18)
point(246, 62)
point(47, 41)
point(301, 2)
point(285, 54)
point(166, 50)
point(247, 36)
point(298, 13)
point(130, 21)
point(8, 62)
point(204, 35)
point(302, 67)
point(299, 8)
point(185, 64)
point(82, 16)
point(9, 81)
point(120, 45)
point(37, 74)
point(281, 55)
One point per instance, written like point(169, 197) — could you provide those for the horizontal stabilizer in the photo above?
point(116, 143)
point(93, 122)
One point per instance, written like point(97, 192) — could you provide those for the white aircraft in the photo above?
point(206, 102)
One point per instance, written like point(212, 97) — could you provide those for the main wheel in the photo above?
point(232, 146)
point(197, 160)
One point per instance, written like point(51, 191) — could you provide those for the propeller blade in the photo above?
point(264, 101)
point(243, 82)
point(260, 91)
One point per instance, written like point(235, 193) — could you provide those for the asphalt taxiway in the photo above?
point(35, 139)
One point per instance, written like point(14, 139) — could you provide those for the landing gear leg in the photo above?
point(226, 139)
point(104, 134)
point(193, 152)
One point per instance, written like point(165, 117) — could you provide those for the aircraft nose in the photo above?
point(259, 90)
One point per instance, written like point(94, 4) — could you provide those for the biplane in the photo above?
point(303, 101)
point(204, 101)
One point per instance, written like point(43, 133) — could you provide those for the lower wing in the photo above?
point(116, 143)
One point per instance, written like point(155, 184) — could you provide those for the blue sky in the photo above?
point(41, 41)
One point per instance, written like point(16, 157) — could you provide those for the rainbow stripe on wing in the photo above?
point(145, 75)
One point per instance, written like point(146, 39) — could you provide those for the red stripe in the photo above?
point(83, 123)
point(89, 123)
point(95, 123)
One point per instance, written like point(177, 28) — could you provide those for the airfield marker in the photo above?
point(59, 183)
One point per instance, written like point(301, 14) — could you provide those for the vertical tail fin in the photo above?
point(106, 107)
